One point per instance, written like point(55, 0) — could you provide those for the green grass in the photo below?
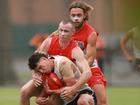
point(10, 96)
point(123, 96)
point(116, 96)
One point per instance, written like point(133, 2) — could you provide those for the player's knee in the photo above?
point(102, 101)
point(82, 100)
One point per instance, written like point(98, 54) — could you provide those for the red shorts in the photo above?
point(97, 77)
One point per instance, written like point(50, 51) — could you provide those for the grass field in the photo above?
point(116, 96)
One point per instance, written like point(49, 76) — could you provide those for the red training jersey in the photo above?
point(55, 48)
point(82, 35)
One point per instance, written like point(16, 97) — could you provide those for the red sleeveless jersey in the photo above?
point(82, 35)
point(55, 48)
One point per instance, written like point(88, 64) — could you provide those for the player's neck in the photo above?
point(64, 44)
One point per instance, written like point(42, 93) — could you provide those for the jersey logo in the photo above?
point(81, 44)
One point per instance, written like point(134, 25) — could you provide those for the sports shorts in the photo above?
point(82, 91)
point(97, 77)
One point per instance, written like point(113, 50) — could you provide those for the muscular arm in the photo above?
point(83, 66)
point(67, 72)
point(72, 85)
point(123, 43)
point(91, 48)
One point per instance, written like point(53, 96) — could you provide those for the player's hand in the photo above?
point(37, 79)
point(46, 87)
point(130, 58)
point(41, 100)
point(49, 91)
point(67, 92)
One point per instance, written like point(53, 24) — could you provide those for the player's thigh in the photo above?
point(29, 89)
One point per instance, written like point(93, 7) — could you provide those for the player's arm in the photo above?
point(83, 66)
point(91, 48)
point(55, 33)
point(123, 43)
point(67, 72)
point(44, 46)
point(41, 99)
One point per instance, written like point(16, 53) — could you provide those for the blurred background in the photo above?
point(20, 20)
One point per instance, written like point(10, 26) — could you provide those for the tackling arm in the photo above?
point(83, 66)
point(91, 48)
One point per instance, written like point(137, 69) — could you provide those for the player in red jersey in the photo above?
point(65, 46)
point(86, 36)
point(59, 45)
point(65, 70)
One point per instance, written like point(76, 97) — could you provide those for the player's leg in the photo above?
point(85, 99)
point(27, 91)
point(98, 84)
point(100, 94)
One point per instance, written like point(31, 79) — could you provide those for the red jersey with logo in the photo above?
point(82, 35)
point(55, 48)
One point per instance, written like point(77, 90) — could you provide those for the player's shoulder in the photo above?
point(89, 27)
point(61, 58)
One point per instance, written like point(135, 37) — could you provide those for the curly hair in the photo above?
point(84, 6)
point(34, 59)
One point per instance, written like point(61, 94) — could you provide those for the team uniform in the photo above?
point(55, 48)
point(81, 37)
point(58, 62)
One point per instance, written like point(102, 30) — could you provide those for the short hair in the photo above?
point(66, 21)
point(83, 5)
point(34, 59)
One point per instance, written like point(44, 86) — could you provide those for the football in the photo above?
point(53, 81)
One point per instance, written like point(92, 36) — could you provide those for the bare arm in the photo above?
point(41, 99)
point(123, 43)
point(83, 66)
point(91, 48)
point(67, 72)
